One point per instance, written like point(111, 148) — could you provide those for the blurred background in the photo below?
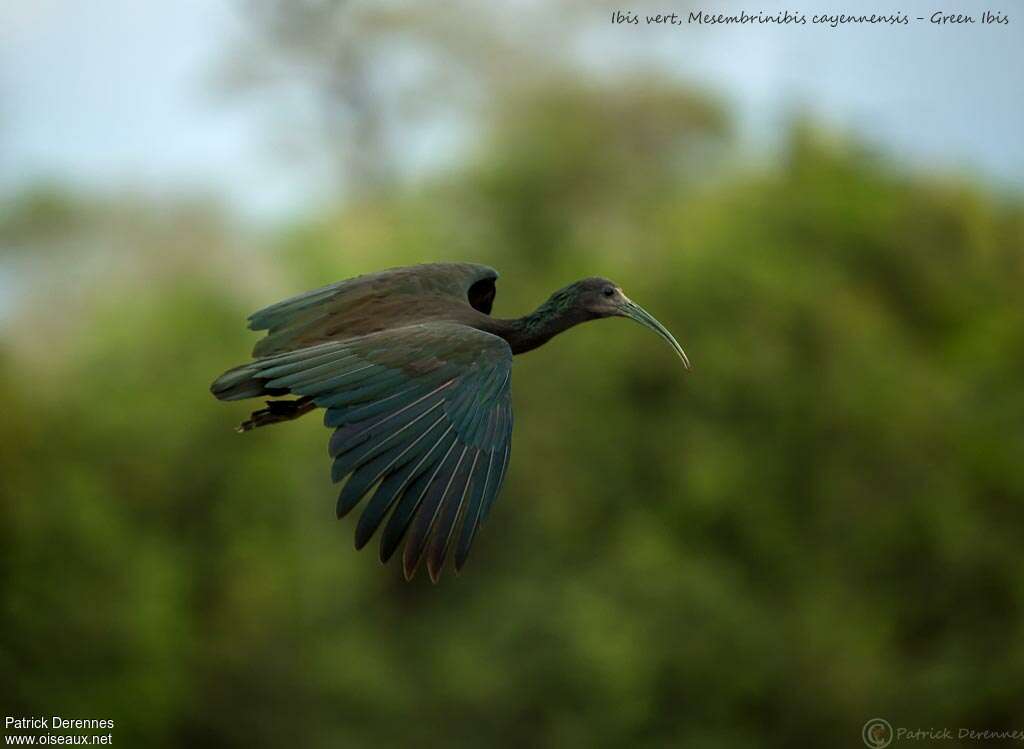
point(820, 525)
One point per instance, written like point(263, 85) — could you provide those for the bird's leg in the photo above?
point(277, 411)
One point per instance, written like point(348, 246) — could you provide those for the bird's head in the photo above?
point(599, 297)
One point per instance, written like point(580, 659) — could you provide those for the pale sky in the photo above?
point(108, 92)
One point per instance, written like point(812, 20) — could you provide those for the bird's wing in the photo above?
point(358, 306)
point(422, 414)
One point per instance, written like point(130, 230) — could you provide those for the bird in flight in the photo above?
point(414, 375)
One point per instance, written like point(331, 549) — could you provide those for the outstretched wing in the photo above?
point(362, 305)
point(422, 419)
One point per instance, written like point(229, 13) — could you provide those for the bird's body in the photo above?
point(414, 374)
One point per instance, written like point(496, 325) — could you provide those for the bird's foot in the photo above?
point(277, 411)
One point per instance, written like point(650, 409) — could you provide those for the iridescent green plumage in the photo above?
point(414, 375)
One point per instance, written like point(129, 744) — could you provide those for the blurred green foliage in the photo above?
point(820, 525)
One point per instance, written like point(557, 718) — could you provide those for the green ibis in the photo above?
point(414, 375)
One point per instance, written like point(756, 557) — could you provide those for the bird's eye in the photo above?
point(608, 291)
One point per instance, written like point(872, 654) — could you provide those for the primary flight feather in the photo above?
point(414, 374)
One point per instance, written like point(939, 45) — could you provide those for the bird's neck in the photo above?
point(537, 328)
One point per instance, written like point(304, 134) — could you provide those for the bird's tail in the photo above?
point(243, 382)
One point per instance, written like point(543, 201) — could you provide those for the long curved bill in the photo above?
point(634, 311)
